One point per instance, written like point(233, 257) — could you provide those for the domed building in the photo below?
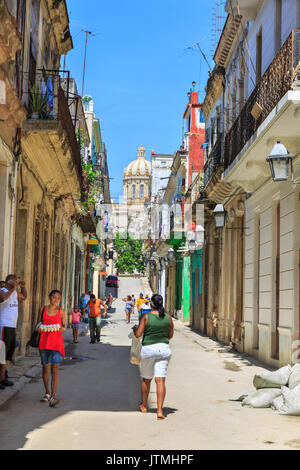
point(136, 194)
point(136, 180)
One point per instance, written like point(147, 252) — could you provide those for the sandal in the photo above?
point(53, 401)
point(45, 398)
point(142, 408)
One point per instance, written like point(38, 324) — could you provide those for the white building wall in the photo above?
point(262, 275)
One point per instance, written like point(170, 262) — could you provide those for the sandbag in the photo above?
point(294, 378)
point(291, 401)
point(261, 398)
point(275, 379)
point(277, 403)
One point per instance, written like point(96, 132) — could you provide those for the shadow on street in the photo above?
point(101, 380)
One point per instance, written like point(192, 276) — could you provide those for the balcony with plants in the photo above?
point(48, 133)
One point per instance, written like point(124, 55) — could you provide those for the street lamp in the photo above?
point(192, 245)
point(199, 235)
point(219, 214)
point(171, 254)
point(279, 160)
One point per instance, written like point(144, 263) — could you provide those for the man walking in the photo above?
point(95, 317)
point(139, 302)
point(9, 301)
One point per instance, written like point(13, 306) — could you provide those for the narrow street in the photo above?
point(99, 391)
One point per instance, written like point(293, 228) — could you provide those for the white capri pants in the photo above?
point(154, 360)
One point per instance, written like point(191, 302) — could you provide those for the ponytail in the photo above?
point(157, 303)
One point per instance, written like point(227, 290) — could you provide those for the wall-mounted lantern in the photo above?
point(280, 160)
point(219, 215)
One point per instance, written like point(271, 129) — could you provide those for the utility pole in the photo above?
point(86, 39)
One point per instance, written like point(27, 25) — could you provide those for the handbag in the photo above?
point(35, 337)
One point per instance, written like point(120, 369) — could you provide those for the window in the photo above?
point(278, 24)
point(163, 163)
point(133, 191)
point(258, 55)
point(212, 134)
point(241, 94)
point(201, 117)
point(142, 192)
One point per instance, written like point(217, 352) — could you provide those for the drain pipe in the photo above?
point(16, 151)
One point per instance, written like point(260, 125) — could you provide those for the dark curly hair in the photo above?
point(157, 303)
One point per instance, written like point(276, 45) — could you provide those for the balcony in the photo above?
point(214, 161)
point(49, 138)
point(281, 76)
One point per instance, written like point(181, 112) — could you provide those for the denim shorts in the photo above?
point(48, 356)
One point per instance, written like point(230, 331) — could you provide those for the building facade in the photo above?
point(253, 260)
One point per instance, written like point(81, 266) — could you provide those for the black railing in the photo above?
point(214, 161)
point(273, 85)
point(46, 101)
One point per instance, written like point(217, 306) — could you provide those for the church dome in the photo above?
point(139, 167)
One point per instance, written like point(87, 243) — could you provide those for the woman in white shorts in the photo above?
point(157, 328)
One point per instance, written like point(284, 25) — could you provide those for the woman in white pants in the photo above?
point(157, 328)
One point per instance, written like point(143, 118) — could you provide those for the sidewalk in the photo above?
point(29, 367)
point(26, 369)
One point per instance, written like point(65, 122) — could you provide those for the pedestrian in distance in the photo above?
point(134, 302)
point(51, 325)
point(82, 302)
point(128, 307)
point(110, 300)
point(10, 296)
point(76, 315)
point(94, 305)
point(139, 302)
point(157, 329)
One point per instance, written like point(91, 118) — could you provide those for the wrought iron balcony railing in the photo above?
point(48, 103)
point(279, 78)
point(214, 161)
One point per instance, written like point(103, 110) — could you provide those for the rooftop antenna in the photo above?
point(87, 33)
point(197, 45)
point(218, 20)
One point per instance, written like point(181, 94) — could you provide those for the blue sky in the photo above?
point(139, 71)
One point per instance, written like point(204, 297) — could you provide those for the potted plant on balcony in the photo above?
point(38, 103)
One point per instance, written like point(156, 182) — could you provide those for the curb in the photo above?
point(19, 384)
point(28, 376)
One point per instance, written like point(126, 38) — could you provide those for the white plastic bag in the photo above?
point(135, 350)
point(291, 401)
point(261, 398)
point(274, 379)
point(294, 378)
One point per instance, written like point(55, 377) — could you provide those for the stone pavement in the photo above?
point(99, 391)
point(29, 367)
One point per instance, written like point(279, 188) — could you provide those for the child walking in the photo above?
point(76, 315)
point(128, 307)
